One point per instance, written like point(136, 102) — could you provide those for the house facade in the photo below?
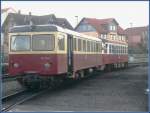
point(107, 29)
point(137, 39)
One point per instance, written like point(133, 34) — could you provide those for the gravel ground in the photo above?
point(122, 90)
point(9, 87)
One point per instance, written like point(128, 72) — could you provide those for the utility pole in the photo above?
point(131, 25)
point(76, 19)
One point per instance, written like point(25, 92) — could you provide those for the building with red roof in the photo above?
point(137, 39)
point(107, 29)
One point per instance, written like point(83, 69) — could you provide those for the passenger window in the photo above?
point(84, 45)
point(92, 46)
point(74, 44)
point(79, 44)
point(88, 46)
point(61, 42)
point(97, 47)
point(109, 48)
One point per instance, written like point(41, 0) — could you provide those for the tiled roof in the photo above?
point(21, 19)
point(135, 30)
point(100, 24)
point(120, 30)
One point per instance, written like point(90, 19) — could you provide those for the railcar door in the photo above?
point(70, 54)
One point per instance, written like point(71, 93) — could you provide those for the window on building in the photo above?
point(105, 36)
point(112, 27)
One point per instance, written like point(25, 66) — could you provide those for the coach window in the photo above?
point(124, 48)
point(101, 47)
point(84, 45)
point(97, 47)
point(91, 46)
point(106, 47)
point(114, 49)
point(88, 46)
point(94, 47)
point(79, 44)
point(74, 44)
point(61, 42)
point(109, 48)
point(118, 49)
point(43, 42)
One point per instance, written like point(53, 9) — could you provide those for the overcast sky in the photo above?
point(125, 12)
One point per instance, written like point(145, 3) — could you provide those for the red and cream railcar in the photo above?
point(46, 52)
point(115, 55)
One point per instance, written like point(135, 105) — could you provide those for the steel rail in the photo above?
point(23, 97)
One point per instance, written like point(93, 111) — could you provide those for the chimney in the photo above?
point(30, 19)
point(19, 11)
point(29, 13)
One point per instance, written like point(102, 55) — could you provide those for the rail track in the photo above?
point(10, 101)
point(130, 65)
point(7, 77)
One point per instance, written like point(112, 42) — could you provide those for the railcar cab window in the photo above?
point(43, 42)
point(20, 43)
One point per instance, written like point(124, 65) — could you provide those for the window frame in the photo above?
point(21, 50)
point(49, 37)
point(58, 42)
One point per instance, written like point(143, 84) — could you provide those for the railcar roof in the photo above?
point(48, 28)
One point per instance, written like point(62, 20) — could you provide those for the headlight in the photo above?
point(16, 65)
point(47, 65)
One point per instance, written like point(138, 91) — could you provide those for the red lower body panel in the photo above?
point(111, 59)
point(83, 61)
point(35, 63)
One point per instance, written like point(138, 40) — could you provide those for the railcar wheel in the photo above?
point(108, 68)
point(77, 76)
point(20, 81)
point(55, 82)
